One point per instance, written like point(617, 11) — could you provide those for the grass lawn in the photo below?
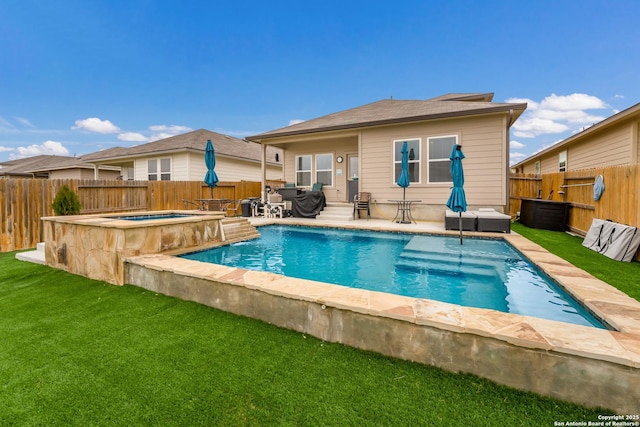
point(74, 351)
point(622, 275)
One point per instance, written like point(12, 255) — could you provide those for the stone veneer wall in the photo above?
point(94, 246)
point(264, 296)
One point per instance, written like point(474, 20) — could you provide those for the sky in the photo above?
point(79, 76)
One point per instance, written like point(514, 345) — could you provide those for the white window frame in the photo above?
point(562, 161)
point(397, 158)
point(536, 167)
point(161, 173)
point(304, 171)
point(318, 170)
point(443, 159)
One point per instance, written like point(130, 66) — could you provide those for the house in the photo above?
point(611, 142)
point(181, 158)
point(55, 167)
point(359, 150)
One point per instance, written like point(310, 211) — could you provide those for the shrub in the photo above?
point(66, 202)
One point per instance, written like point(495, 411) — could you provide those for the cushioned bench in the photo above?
point(490, 220)
point(452, 220)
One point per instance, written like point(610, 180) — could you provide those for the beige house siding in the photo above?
point(607, 148)
point(610, 147)
point(341, 146)
point(483, 141)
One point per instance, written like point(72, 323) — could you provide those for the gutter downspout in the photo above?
point(508, 183)
point(263, 161)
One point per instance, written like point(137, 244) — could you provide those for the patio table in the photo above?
point(403, 214)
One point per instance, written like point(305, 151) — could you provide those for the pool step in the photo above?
point(442, 266)
point(238, 229)
point(337, 212)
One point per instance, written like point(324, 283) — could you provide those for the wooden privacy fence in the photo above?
point(619, 202)
point(24, 201)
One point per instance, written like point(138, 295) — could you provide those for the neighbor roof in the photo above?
point(391, 111)
point(41, 165)
point(196, 140)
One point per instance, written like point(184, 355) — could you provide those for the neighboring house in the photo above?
point(611, 142)
point(181, 158)
point(55, 167)
point(358, 150)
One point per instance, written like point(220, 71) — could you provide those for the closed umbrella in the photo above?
point(457, 200)
point(211, 179)
point(404, 181)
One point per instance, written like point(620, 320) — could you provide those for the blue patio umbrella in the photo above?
point(457, 200)
point(211, 179)
point(404, 181)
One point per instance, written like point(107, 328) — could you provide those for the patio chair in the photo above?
point(361, 201)
point(230, 206)
point(315, 187)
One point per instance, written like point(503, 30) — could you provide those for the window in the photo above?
point(303, 171)
point(439, 164)
point(536, 167)
point(562, 161)
point(324, 169)
point(413, 145)
point(165, 169)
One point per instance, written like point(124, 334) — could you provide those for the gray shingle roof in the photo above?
point(391, 111)
point(41, 164)
point(196, 140)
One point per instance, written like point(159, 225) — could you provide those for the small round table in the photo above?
point(403, 214)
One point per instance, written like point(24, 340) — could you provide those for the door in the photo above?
point(352, 175)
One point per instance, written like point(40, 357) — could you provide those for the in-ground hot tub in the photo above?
point(94, 245)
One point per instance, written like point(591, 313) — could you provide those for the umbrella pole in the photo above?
point(460, 225)
point(404, 192)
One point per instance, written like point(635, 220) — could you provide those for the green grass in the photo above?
point(74, 351)
point(622, 275)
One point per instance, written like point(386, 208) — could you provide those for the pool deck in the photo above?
point(586, 365)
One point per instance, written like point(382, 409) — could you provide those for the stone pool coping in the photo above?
point(620, 347)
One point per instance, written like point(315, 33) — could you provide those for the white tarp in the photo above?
point(616, 241)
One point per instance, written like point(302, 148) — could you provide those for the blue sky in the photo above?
point(80, 76)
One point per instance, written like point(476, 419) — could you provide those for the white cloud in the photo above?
point(172, 129)
point(94, 124)
point(516, 144)
point(575, 101)
point(5, 125)
point(24, 122)
point(516, 157)
point(557, 114)
point(295, 122)
point(164, 131)
point(2, 149)
point(132, 137)
point(530, 127)
point(48, 147)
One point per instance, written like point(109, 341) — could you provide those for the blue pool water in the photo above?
point(149, 217)
point(481, 273)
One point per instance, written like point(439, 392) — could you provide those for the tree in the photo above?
point(66, 202)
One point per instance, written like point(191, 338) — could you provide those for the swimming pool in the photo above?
point(484, 273)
